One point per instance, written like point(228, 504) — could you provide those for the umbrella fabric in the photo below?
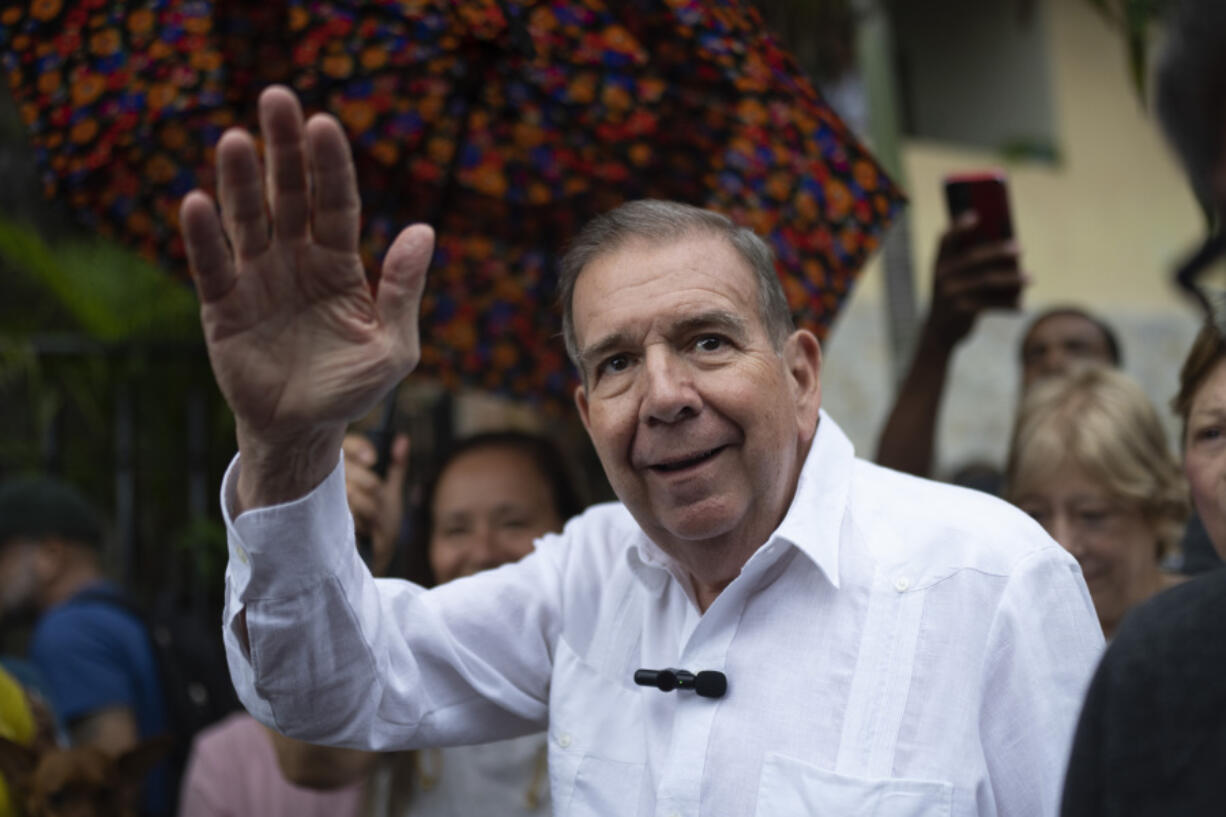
point(505, 124)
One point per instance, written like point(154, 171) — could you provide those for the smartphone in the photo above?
point(986, 193)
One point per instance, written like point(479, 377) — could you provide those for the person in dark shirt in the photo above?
point(96, 659)
point(1152, 735)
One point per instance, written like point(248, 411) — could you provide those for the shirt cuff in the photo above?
point(280, 550)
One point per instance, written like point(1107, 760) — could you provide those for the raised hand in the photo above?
point(377, 503)
point(969, 278)
point(299, 343)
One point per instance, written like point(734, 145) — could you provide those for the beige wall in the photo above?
point(1105, 224)
point(1101, 228)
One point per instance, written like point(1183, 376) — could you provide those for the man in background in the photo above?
point(93, 655)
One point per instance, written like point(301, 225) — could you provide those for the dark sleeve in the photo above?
point(1119, 761)
point(1083, 780)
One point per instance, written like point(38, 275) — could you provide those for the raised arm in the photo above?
point(966, 280)
point(377, 505)
point(299, 342)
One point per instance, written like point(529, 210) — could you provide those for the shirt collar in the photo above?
point(815, 518)
point(811, 525)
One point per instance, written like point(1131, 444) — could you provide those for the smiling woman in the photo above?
point(1089, 460)
point(1201, 404)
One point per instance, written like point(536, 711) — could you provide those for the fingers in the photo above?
point(988, 280)
point(398, 468)
point(359, 449)
point(208, 257)
point(241, 193)
point(285, 162)
point(361, 485)
point(362, 506)
point(972, 260)
point(957, 233)
point(398, 298)
point(337, 206)
point(989, 289)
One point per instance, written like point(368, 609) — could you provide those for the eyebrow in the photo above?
point(728, 322)
point(1210, 412)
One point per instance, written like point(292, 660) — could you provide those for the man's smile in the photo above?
point(670, 465)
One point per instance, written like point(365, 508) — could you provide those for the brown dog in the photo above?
point(82, 781)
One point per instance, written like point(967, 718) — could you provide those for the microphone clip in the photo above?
point(706, 684)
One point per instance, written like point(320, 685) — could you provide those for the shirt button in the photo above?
point(564, 741)
point(901, 584)
point(241, 554)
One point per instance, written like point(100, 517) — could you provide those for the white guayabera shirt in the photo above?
point(897, 648)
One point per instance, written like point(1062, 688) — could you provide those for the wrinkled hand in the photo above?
point(969, 278)
point(377, 504)
point(298, 342)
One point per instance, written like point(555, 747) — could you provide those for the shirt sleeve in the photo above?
point(322, 652)
point(1043, 645)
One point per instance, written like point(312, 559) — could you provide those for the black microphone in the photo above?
point(708, 683)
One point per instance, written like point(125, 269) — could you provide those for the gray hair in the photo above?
point(1190, 89)
point(658, 222)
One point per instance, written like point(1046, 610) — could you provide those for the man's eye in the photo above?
point(613, 365)
point(710, 343)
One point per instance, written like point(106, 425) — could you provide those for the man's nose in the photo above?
point(1055, 362)
point(669, 392)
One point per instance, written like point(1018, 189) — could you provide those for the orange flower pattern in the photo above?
point(506, 134)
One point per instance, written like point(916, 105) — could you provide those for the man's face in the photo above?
point(1057, 342)
point(700, 424)
point(18, 577)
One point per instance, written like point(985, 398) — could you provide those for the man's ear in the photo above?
point(581, 404)
point(802, 354)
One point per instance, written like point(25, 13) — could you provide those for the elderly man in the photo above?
point(837, 638)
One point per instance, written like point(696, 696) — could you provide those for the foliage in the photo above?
point(99, 346)
point(1136, 21)
point(110, 293)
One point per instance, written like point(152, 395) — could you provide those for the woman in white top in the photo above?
point(489, 500)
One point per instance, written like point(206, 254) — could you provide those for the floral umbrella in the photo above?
point(505, 123)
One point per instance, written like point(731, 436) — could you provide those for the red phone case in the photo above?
point(987, 194)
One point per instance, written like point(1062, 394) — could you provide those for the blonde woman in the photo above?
point(1090, 461)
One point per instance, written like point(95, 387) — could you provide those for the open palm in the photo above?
point(298, 341)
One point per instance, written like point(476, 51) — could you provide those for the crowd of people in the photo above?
point(763, 623)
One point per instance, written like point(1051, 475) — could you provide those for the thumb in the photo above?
point(398, 297)
point(398, 468)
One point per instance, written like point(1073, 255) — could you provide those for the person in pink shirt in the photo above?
point(233, 772)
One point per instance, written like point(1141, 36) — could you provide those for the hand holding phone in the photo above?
point(977, 265)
